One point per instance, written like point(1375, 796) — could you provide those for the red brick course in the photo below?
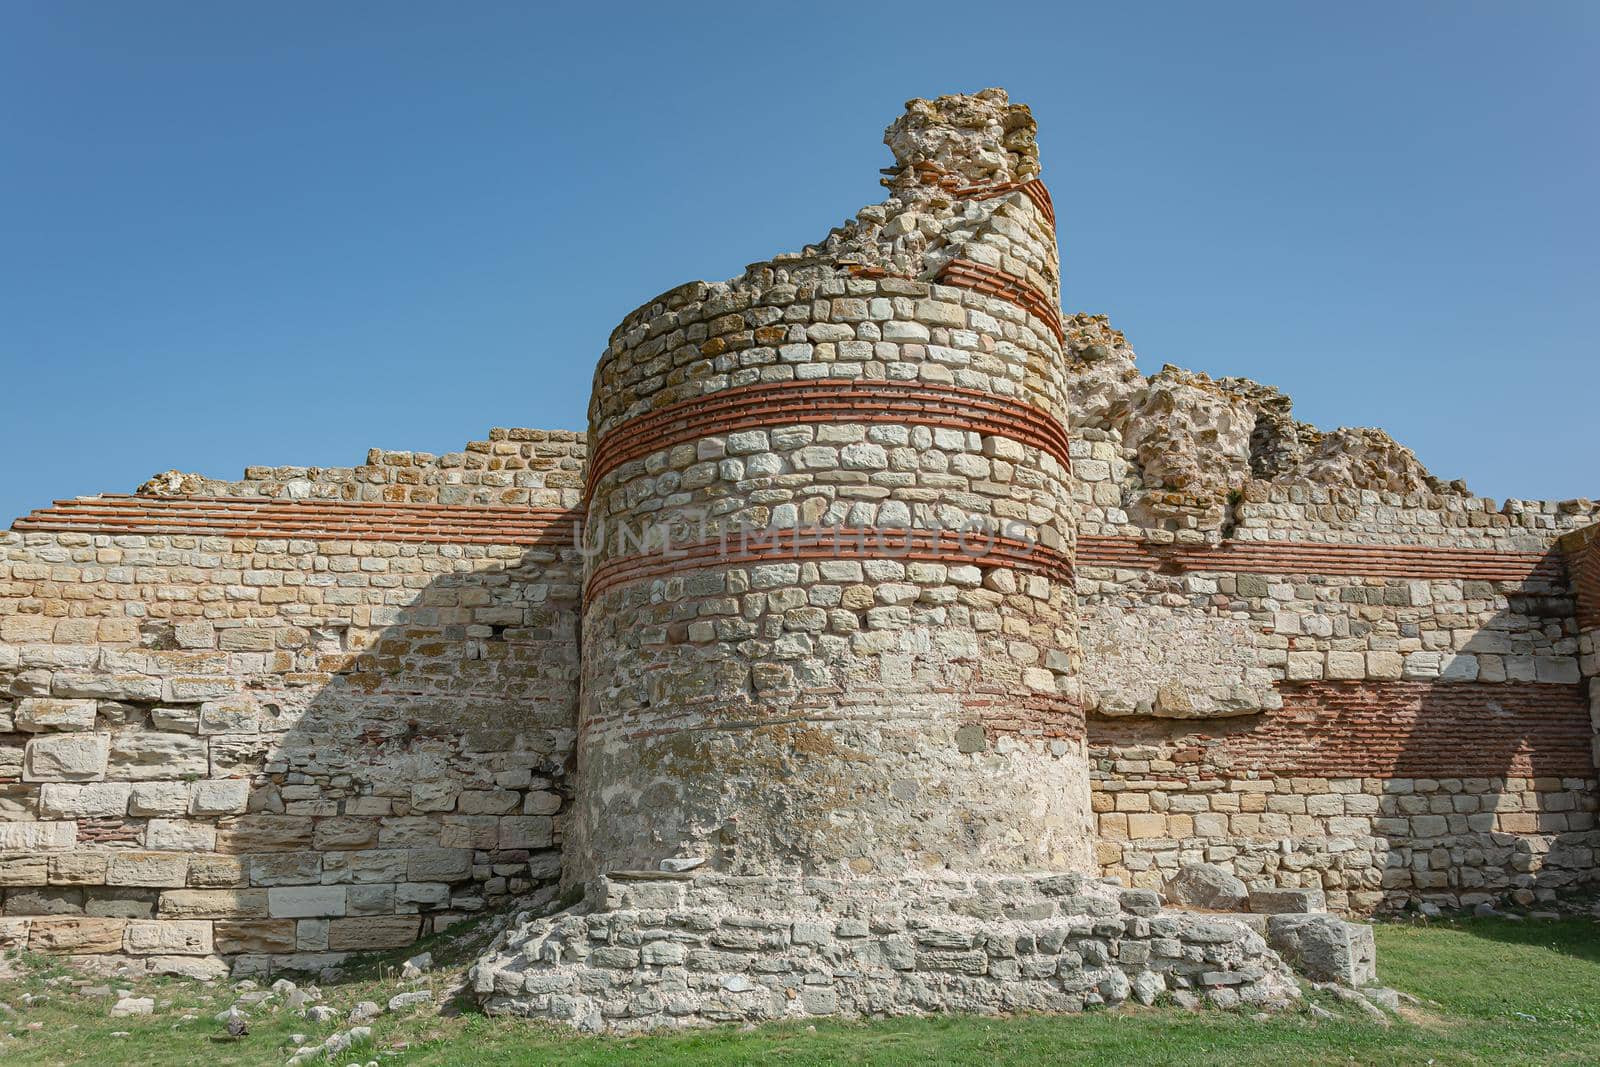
point(1298, 557)
point(1394, 730)
point(784, 403)
point(966, 274)
point(309, 519)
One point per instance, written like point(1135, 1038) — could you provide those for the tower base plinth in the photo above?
point(647, 951)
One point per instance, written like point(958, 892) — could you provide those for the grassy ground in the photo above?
point(1493, 992)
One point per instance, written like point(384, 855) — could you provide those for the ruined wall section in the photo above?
point(887, 682)
point(1311, 661)
point(279, 720)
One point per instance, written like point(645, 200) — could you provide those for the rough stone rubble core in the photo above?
point(867, 789)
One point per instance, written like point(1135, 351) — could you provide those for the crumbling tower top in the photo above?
point(982, 139)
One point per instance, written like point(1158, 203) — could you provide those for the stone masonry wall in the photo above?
point(1375, 694)
point(276, 721)
point(887, 681)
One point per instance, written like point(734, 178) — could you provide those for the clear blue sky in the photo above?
point(287, 232)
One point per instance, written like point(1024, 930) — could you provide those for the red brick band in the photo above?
point(926, 172)
point(966, 274)
point(787, 403)
point(1033, 189)
point(326, 520)
point(1422, 730)
point(1051, 718)
point(810, 545)
point(1297, 557)
point(1382, 730)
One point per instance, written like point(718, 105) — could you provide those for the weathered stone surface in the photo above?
point(1324, 948)
point(74, 757)
point(741, 943)
point(306, 901)
point(367, 934)
point(1205, 885)
point(1279, 901)
point(93, 800)
point(76, 935)
point(213, 904)
point(37, 715)
point(37, 836)
point(235, 936)
point(144, 756)
point(155, 869)
point(168, 937)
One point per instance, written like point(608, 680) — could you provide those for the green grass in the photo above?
point(1493, 993)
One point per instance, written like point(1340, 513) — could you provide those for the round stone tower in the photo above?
point(829, 621)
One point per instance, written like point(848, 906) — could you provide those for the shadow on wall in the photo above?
point(1454, 777)
point(1516, 715)
point(406, 765)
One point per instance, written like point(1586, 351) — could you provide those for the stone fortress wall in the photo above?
point(269, 722)
point(275, 721)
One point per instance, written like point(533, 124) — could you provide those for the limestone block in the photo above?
point(183, 720)
point(1324, 948)
point(1384, 666)
point(1204, 885)
point(200, 968)
point(286, 868)
point(1303, 666)
point(232, 715)
point(377, 932)
point(442, 864)
point(14, 933)
point(39, 900)
point(159, 799)
point(1284, 901)
point(219, 796)
point(79, 935)
point(40, 714)
point(1423, 666)
point(153, 869)
point(180, 835)
point(37, 836)
point(78, 868)
point(311, 935)
point(370, 900)
point(345, 833)
point(129, 687)
point(175, 937)
point(146, 755)
point(213, 904)
point(216, 872)
point(233, 936)
point(119, 903)
point(94, 800)
point(1346, 666)
point(312, 901)
point(527, 831)
point(24, 870)
point(264, 833)
point(408, 895)
point(75, 757)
